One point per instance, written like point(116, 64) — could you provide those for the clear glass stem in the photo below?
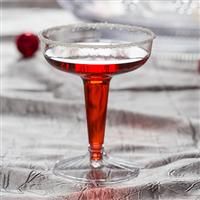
point(96, 97)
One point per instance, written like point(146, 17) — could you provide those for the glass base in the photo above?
point(104, 172)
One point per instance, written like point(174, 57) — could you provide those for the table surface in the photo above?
point(154, 116)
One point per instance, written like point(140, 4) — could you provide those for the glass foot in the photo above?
point(104, 172)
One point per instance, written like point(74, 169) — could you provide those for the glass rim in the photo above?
point(130, 28)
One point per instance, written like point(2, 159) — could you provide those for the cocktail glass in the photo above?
point(96, 52)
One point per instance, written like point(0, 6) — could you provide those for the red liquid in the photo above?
point(97, 66)
point(96, 72)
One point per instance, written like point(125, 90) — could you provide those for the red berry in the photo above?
point(27, 44)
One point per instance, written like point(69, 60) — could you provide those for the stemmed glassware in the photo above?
point(96, 52)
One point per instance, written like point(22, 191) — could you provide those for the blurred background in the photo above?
point(174, 64)
point(153, 112)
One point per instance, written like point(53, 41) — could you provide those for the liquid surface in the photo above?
point(89, 61)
